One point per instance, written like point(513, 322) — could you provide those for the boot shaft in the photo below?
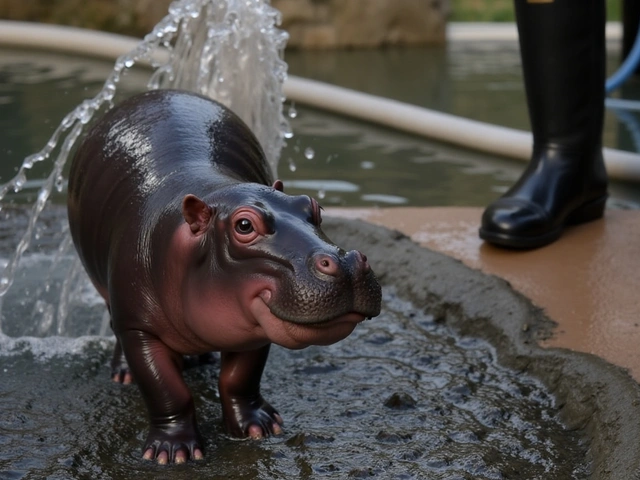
point(562, 45)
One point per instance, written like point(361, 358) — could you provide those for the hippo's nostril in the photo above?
point(361, 261)
point(327, 265)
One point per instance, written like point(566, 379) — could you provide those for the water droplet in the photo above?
point(293, 113)
point(288, 134)
point(43, 195)
point(129, 62)
point(292, 165)
point(19, 181)
point(31, 160)
point(321, 194)
point(366, 165)
point(59, 183)
point(309, 153)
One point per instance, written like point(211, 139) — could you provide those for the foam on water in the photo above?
point(229, 50)
point(49, 347)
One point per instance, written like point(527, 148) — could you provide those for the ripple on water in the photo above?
point(402, 397)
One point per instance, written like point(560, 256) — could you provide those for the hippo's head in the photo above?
point(266, 251)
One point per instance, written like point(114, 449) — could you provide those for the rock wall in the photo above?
point(311, 24)
point(363, 23)
point(129, 17)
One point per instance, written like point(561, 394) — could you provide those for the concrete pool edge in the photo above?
point(593, 396)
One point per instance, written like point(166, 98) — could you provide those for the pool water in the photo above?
point(341, 161)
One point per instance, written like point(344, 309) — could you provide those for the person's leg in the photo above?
point(562, 46)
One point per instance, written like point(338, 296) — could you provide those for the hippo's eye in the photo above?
point(244, 226)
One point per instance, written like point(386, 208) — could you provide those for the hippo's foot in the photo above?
point(174, 443)
point(251, 417)
point(120, 372)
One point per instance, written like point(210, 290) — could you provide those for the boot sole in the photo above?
point(587, 212)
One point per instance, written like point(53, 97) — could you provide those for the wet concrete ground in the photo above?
point(587, 281)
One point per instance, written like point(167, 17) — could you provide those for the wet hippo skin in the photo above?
point(195, 248)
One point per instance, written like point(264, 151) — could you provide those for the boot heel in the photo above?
point(587, 212)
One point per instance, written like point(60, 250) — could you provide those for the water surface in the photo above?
point(403, 397)
point(342, 161)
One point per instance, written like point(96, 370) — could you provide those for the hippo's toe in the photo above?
point(253, 418)
point(175, 445)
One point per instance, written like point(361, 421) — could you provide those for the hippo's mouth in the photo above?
point(351, 317)
point(318, 321)
point(293, 334)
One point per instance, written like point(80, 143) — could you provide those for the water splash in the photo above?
point(309, 153)
point(229, 50)
point(292, 112)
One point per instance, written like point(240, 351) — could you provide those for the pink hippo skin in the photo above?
point(195, 249)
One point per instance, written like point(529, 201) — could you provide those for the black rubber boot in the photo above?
point(562, 46)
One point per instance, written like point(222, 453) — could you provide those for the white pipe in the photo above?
point(501, 32)
point(65, 39)
point(448, 128)
point(420, 121)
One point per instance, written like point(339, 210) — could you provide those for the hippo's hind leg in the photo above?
point(244, 411)
point(120, 372)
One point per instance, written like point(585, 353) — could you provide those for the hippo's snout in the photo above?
point(326, 264)
point(333, 284)
point(359, 260)
point(354, 262)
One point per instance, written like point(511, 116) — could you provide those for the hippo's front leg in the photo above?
point(173, 432)
point(245, 412)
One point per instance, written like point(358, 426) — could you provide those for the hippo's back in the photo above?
point(143, 156)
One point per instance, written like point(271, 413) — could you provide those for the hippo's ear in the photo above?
point(197, 214)
point(278, 185)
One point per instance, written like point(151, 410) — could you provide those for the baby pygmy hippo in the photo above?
point(195, 248)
